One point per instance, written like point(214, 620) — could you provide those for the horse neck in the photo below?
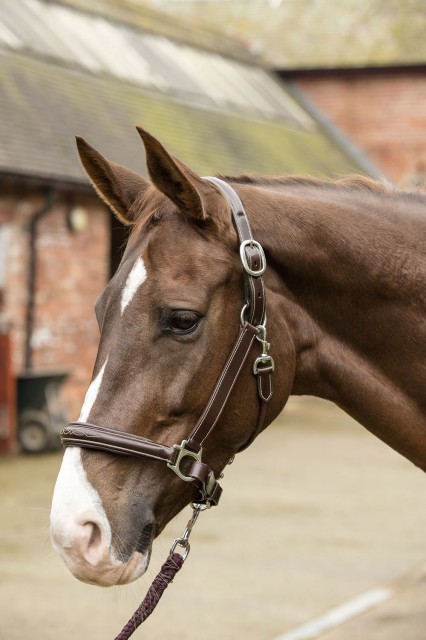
point(348, 286)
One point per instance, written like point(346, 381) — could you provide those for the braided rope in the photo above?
point(167, 572)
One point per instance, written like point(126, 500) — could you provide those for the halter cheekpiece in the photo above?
point(185, 459)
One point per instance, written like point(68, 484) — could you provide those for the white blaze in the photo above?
point(77, 509)
point(92, 394)
point(136, 277)
point(74, 503)
point(74, 499)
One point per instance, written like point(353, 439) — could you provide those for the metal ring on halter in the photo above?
point(242, 314)
point(183, 452)
point(200, 507)
point(181, 542)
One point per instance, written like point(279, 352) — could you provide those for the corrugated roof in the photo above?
point(90, 42)
point(291, 34)
point(65, 72)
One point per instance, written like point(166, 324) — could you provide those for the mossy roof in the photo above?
point(43, 106)
point(291, 34)
point(67, 71)
point(142, 15)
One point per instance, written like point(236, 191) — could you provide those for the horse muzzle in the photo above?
point(81, 533)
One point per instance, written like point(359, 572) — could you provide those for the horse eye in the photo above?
point(182, 321)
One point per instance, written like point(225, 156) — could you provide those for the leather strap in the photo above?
point(92, 436)
point(223, 388)
point(254, 287)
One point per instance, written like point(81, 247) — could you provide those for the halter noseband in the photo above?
point(185, 459)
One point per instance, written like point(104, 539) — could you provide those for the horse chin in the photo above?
point(113, 572)
point(135, 567)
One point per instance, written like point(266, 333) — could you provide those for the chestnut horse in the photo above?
point(346, 320)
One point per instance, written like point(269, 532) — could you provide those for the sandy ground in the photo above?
point(316, 512)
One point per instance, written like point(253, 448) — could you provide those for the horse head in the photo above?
point(168, 320)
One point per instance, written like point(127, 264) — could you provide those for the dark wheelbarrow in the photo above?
point(41, 414)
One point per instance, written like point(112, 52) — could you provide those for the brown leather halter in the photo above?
point(185, 459)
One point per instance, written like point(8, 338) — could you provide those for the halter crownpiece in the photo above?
point(185, 459)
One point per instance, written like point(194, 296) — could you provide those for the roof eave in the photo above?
point(11, 178)
point(368, 69)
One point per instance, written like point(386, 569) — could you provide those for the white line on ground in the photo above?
point(354, 607)
point(339, 615)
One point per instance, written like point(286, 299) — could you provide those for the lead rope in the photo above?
point(165, 576)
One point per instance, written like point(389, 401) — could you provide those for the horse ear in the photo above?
point(174, 179)
point(117, 186)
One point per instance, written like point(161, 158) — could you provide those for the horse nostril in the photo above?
point(95, 536)
point(93, 547)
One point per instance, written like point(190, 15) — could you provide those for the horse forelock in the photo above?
point(152, 207)
point(149, 207)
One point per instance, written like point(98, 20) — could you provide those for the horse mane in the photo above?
point(350, 182)
point(155, 205)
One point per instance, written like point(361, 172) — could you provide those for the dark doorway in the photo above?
point(119, 236)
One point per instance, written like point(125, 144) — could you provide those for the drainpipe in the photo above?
point(32, 274)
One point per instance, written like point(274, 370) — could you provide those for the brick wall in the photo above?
point(72, 269)
point(383, 113)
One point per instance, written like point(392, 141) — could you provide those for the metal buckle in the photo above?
point(247, 269)
point(264, 359)
point(183, 452)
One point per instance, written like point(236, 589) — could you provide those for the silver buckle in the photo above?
point(183, 452)
point(247, 269)
point(265, 359)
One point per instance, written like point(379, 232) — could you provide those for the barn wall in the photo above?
point(72, 269)
point(383, 113)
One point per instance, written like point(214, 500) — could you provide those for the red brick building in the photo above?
point(59, 243)
point(382, 110)
point(54, 274)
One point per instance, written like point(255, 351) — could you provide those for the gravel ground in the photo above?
point(316, 512)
